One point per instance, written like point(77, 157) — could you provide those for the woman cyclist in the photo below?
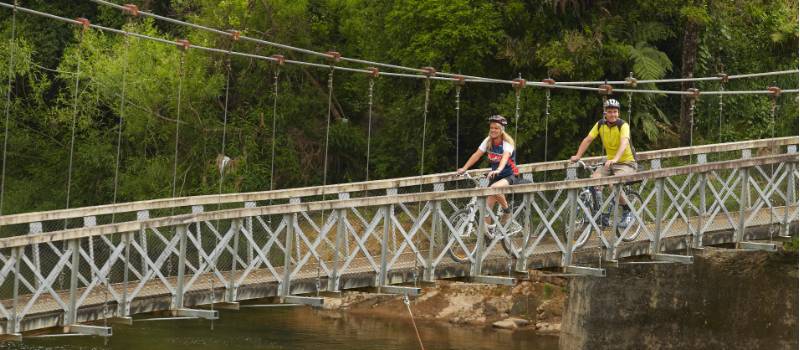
point(499, 148)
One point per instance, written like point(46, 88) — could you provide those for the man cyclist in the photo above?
point(615, 135)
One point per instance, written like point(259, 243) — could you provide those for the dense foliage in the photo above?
point(566, 40)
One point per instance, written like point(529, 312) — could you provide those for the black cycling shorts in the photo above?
point(512, 180)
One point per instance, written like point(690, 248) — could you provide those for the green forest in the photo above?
point(56, 75)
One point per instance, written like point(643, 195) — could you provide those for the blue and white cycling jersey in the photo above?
point(495, 154)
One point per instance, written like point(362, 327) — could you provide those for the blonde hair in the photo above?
point(506, 138)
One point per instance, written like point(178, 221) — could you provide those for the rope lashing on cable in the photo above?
point(372, 76)
point(279, 60)
point(11, 53)
point(184, 46)
point(692, 105)
point(459, 83)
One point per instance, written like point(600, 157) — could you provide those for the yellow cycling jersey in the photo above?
point(611, 138)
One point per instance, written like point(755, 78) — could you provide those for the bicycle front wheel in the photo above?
point(631, 231)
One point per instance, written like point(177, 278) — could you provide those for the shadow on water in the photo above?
point(295, 328)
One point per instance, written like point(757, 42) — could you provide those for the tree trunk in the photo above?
point(688, 62)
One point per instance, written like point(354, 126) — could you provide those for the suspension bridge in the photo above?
point(189, 256)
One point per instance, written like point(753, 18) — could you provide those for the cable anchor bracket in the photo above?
point(131, 9)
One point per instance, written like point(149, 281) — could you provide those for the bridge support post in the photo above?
point(702, 210)
point(230, 296)
point(387, 223)
point(180, 230)
point(287, 255)
point(124, 308)
point(572, 197)
point(333, 281)
point(141, 216)
point(744, 205)
point(790, 195)
point(13, 322)
point(436, 231)
point(655, 247)
point(72, 315)
point(35, 228)
point(249, 228)
point(477, 264)
point(198, 233)
point(522, 261)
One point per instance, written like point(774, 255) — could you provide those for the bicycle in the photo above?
point(593, 201)
point(465, 222)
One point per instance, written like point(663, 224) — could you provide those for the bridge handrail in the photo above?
point(70, 234)
point(164, 203)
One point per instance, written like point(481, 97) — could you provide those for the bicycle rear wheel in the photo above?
point(465, 222)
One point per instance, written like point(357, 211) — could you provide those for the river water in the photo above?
point(295, 328)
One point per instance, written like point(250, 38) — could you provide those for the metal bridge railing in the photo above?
point(173, 262)
point(39, 222)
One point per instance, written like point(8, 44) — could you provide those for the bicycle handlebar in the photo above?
point(593, 167)
point(476, 180)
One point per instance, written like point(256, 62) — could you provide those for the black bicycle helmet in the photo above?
point(497, 119)
point(611, 103)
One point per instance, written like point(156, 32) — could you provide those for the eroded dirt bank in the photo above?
point(530, 305)
point(726, 299)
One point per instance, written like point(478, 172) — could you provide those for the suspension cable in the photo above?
point(444, 76)
point(120, 123)
point(334, 57)
point(429, 72)
point(632, 82)
point(519, 84)
point(398, 67)
point(413, 323)
point(75, 113)
point(458, 84)
point(177, 120)
point(328, 129)
point(225, 123)
point(424, 125)
point(369, 120)
point(692, 106)
point(773, 110)
point(546, 121)
point(11, 53)
point(223, 160)
point(275, 76)
point(721, 89)
point(680, 80)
